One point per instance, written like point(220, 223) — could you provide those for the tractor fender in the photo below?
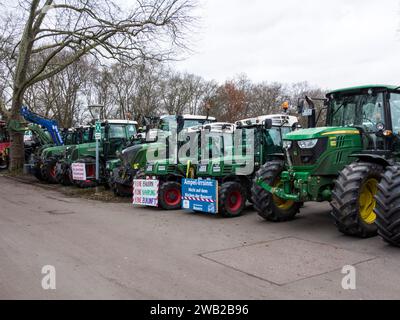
point(374, 158)
point(244, 180)
point(173, 178)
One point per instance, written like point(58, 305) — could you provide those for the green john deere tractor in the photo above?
point(134, 158)
point(170, 172)
point(342, 162)
point(235, 171)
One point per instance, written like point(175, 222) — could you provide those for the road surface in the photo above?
point(115, 251)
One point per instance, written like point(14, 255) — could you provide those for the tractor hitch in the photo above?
point(279, 192)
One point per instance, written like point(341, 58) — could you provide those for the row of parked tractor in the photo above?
point(352, 161)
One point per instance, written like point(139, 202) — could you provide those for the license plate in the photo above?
point(203, 168)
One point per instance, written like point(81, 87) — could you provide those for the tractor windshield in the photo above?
point(131, 130)
point(276, 134)
point(360, 110)
point(117, 132)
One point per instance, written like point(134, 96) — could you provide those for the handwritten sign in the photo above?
point(145, 192)
point(79, 171)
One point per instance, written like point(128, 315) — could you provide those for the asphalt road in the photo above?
point(115, 251)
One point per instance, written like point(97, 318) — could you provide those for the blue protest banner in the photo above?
point(200, 195)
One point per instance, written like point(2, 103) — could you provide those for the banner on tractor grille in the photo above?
point(145, 192)
point(200, 195)
point(79, 171)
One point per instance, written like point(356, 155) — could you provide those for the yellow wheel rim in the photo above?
point(367, 201)
point(279, 202)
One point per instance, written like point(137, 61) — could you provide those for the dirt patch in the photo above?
point(96, 194)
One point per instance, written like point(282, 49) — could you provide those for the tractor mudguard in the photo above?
point(374, 158)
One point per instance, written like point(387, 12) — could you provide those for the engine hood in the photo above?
point(316, 133)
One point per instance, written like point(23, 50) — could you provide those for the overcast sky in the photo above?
point(330, 43)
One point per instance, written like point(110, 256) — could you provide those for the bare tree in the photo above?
point(152, 29)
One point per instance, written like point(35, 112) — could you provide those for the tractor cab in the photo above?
point(360, 122)
point(116, 134)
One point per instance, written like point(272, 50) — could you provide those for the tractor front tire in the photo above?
point(267, 205)
point(387, 208)
point(170, 196)
point(353, 199)
point(232, 199)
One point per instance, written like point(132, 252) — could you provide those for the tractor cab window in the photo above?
point(131, 130)
point(275, 134)
point(86, 136)
point(395, 112)
point(117, 132)
point(364, 110)
point(196, 123)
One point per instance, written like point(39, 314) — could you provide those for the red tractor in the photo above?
point(4, 146)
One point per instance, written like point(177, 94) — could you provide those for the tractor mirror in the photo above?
point(296, 126)
point(301, 105)
point(268, 124)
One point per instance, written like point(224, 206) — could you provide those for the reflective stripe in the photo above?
point(340, 132)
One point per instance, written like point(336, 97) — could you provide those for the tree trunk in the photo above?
point(17, 152)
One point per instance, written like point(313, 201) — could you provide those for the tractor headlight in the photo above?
point(307, 144)
point(287, 144)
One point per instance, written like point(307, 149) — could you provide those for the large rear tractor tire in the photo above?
point(170, 196)
point(64, 175)
point(353, 199)
point(232, 199)
point(387, 208)
point(50, 172)
point(268, 206)
point(37, 172)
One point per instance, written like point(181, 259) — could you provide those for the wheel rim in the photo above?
point(172, 197)
point(235, 200)
point(367, 201)
point(279, 202)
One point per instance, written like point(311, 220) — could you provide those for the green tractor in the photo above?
point(342, 162)
point(134, 158)
point(47, 161)
point(235, 171)
point(116, 135)
point(170, 172)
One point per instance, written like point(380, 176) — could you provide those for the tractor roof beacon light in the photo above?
point(285, 106)
point(97, 111)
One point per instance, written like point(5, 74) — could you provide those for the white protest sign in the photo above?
point(79, 171)
point(145, 192)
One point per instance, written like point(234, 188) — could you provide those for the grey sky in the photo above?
point(330, 43)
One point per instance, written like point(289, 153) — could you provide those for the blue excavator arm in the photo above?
point(50, 125)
